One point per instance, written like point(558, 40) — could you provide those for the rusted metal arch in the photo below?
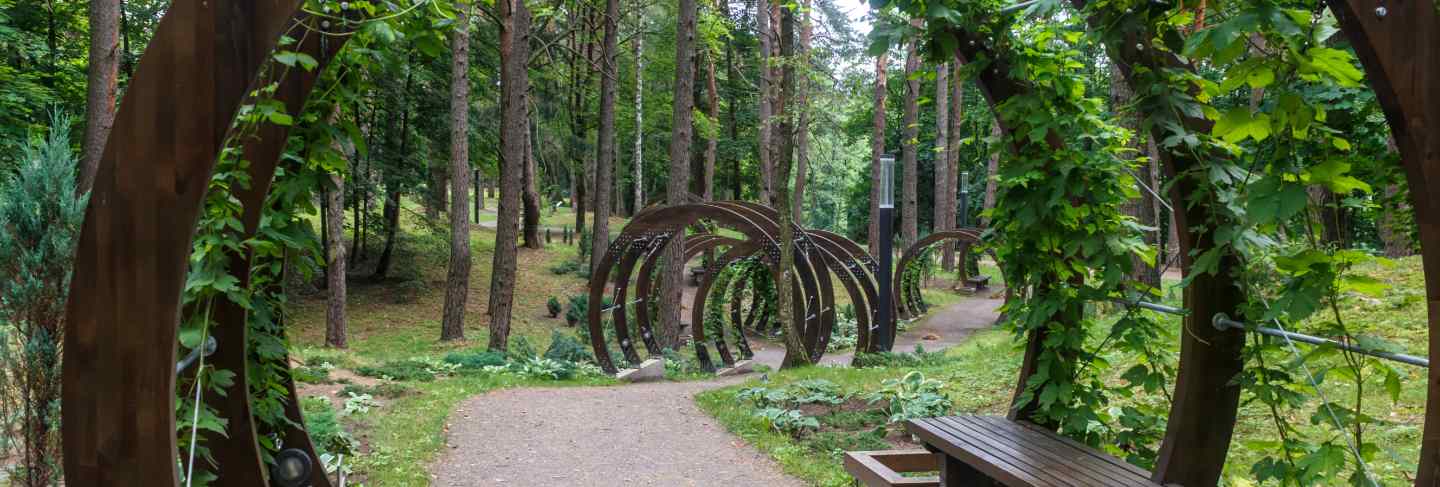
point(694, 244)
point(812, 284)
point(868, 283)
point(1401, 56)
point(124, 308)
point(908, 295)
point(838, 261)
point(653, 228)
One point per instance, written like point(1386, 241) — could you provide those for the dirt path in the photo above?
point(644, 434)
point(941, 329)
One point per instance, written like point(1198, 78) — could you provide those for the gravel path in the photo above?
point(643, 434)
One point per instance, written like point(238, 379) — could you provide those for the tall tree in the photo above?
point(638, 167)
point(877, 150)
point(795, 353)
point(605, 154)
point(530, 197)
point(104, 71)
point(943, 219)
point(992, 171)
point(952, 160)
point(457, 280)
point(712, 136)
point(335, 335)
point(514, 83)
point(802, 111)
point(1143, 206)
point(677, 185)
point(763, 138)
point(910, 212)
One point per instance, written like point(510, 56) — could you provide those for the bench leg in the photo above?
point(955, 473)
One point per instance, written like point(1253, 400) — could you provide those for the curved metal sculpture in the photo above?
point(818, 256)
point(908, 301)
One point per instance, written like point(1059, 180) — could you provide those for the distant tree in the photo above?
point(943, 206)
point(910, 190)
point(766, 181)
point(795, 353)
point(877, 150)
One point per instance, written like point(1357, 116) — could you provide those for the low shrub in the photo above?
point(328, 435)
point(566, 348)
point(475, 359)
point(553, 307)
point(566, 267)
point(912, 397)
point(918, 358)
point(385, 389)
point(405, 370)
point(311, 374)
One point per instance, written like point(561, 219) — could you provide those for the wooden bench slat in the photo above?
point(1022, 454)
point(1116, 461)
point(947, 444)
point(1055, 456)
point(1095, 464)
point(995, 466)
point(1061, 472)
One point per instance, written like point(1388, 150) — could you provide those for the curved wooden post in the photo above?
point(1401, 55)
point(119, 364)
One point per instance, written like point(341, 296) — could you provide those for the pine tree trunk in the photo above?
point(514, 82)
point(992, 171)
point(802, 115)
point(712, 138)
point(952, 161)
point(605, 155)
point(678, 180)
point(638, 167)
point(391, 213)
point(877, 150)
point(100, 97)
point(795, 353)
point(943, 220)
point(335, 263)
point(531, 197)
point(763, 138)
point(910, 211)
point(1142, 208)
point(457, 280)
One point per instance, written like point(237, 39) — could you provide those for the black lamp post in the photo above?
point(964, 199)
point(885, 314)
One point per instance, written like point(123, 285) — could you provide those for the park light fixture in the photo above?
point(887, 181)
point(292, 468)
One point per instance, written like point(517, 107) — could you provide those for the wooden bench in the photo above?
point(695, 274)
point(981, 450)
point(978, 282)
point(884, 468)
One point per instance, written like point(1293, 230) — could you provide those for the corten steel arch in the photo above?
point(1401, 55)
point(752, 213)
point(651, 230)
point(838, 260)
point(119, 361)
point(694, 245)
point(909, 303)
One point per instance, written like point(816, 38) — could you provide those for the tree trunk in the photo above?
point(801, 96)
point(439, 192)
point(877, 150)
point(457, 280)
point(712, 137)
point(795, 353)
point(514, 82)
point(1142, 208)
point(678, 180)
point(910, 211)
point(952, 161)
point(531, 197)
point(638, 167)
point(335, 262)
point(766, 181)
point(943, 220)
point(100, 98)
point(391, 213)
point(992, 171)
point(605, 155)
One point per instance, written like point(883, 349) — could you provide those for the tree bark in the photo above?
point(100, 97)
point(766, 181)
point(531, 197)
point(335, 263)
point(943, 220)
point(712, 137)
point(952, 160)
point(638, 167)
point(910, 211)
point(1142, 208)
point(514, 82)
point(795, 353)
point(457, 280)
point(992, 171)
point(801, 96)
point(678, 180)
point(877, 150)
point(605, 155)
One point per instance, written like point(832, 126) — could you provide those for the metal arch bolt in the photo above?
point(1381, 11)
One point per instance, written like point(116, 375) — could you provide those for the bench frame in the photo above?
point(883, 468)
